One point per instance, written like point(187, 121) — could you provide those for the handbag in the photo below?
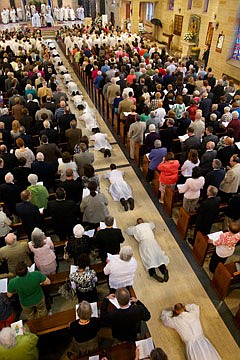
point(66, 290)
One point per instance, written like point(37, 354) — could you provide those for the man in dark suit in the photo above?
point(82, 158)
point(49, 104)
point(207, 157)
point(109, 239)
point(125, 321)
point(64, 121)
point(29, 213)
point(64, 214)
point(183, 124)
point(207, 212)
point(7, 119)
point(50, 133)
point(51, 151)
point(73, 135)
point(32, 106)
point(44, 170)
point(10, 160)
point(209, 137)
point(193, 142)
point(73, 188)
point(167, 135)
point(214, 177)
point(10, 193)
point(205, 105)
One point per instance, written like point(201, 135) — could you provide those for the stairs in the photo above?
point(48, 33)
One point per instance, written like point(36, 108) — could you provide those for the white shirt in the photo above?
point(121, 273)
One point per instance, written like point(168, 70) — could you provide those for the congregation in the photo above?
point(157, 99)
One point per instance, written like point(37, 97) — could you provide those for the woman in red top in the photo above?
point(168, 173)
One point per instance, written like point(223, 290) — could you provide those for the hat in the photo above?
point(78, 231)
point(157, 143)
point(152, 127)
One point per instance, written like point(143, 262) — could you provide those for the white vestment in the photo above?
point(151, 253)
point(119, 188)
point(101, 141)
point(33, 9)
point(5, 16)
point(89, 117)
point(72, 14)
point(20, 13)
point(49, 19)
point(60, 14)
point(36, 21)
point(189, 328)
point(56, 13)
point(13, 15)
point(65, 13)
point(43, 9)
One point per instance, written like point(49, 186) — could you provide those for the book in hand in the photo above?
point(183, 137)
point(145, 347)
point(94, 310)
point(215, 235)
point(3, 285)
point(17, 327)
point(103, 225)
point(32, 267)
point(94, 357)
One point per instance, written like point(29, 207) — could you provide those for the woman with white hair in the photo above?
point(18, 347)
point(121, 269)
point(43, 249)
point(39, 193)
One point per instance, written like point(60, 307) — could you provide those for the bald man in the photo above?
point(13, 251)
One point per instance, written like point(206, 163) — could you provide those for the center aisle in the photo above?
point(183, 285)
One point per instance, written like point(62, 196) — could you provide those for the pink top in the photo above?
point(45, 254)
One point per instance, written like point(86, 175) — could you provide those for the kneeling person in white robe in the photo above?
point(119, 189)
point(152, 255)
point(185, 320)
point(101, 143)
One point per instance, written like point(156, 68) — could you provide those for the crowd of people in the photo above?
point(41, 16)
point(158, 99)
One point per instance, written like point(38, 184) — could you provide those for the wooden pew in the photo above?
point(225, 278)
point(137, 147)
point(145, 165)
point(183, 222)
point(123, 351)
point(168, 200)
point(201, 248)
point(155, 183)
point(237, 318)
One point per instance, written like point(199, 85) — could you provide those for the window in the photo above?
point(236, 50)
point(149, 11)
point(171, 5)
point(189, 4)
point(205, 5)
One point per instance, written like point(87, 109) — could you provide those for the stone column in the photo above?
point(134, 15)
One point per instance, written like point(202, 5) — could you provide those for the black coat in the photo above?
point(109, 240)
point(207, 213)
point(30, 216)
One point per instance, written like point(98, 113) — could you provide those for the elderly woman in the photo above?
point(84, 332)
point(121, 269)
point(94, 207)
point(24, 152)
point(43, 249)
point(78, 244)
point(39, 193)
point(85, 280)
point(18, 347)
point(67, 163)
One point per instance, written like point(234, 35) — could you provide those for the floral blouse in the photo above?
point(84, 281)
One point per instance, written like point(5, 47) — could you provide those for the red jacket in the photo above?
point(169, 172)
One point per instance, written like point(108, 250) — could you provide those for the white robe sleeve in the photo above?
point(167, 319)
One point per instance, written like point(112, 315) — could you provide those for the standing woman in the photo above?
point(94, 207)
point(188, 165)
point(168, 173)
point(179, 107)
point(43, 249)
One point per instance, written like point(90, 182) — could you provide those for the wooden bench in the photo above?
point(225, 278)
point(123, 351)
point(184, 220)
point(237, 318)
point(201, 248)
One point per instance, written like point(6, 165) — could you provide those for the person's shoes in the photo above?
point(158, 278)
point(191, 241)
point(165, 275)
point(124, 204)
point(50, 312)
point(131, 203)
point(161, 202)
point(107, 153)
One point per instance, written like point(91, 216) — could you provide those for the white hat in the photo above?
point(78, 231)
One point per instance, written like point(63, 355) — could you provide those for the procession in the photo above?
point(43, 16)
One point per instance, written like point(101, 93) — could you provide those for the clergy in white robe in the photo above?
point(100, 142)
point(89, 117)
point(56, 13)
point(20, 13)
point(119, 188)
point(36, 20)
point(27, 12)
point(185, 320)
point(65, 13)
point(5, 16)
point(13, 15)
point(43, 9)
point(71, 14)
point(49, 19)
point(152, 255)
point(33, 9)
point(60, 14)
